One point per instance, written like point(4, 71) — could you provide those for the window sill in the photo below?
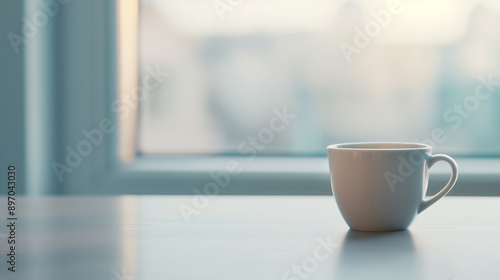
point(276, 176)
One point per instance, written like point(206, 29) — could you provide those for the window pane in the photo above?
point(343, 70)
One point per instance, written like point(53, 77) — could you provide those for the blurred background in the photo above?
point(187, 86)
point(229, 69)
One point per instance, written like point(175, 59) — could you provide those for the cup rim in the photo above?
point(358, 146)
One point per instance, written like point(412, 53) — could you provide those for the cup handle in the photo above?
point(453, 179)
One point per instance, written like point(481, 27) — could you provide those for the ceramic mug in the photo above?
point(382, 186)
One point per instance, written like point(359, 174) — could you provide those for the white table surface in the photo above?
point(251, 237)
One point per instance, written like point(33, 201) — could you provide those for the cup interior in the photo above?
point(379, 146)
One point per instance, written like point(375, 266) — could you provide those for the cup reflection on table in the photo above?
point(378, 255)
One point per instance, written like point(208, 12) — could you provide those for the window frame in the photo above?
point(86, 86)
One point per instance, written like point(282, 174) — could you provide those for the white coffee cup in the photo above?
point(382, 186)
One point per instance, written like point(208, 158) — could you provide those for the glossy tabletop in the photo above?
point(250, 237)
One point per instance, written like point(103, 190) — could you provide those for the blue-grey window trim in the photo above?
point(86, 86)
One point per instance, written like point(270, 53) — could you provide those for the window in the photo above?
point(425, 71)
point(343, 70)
